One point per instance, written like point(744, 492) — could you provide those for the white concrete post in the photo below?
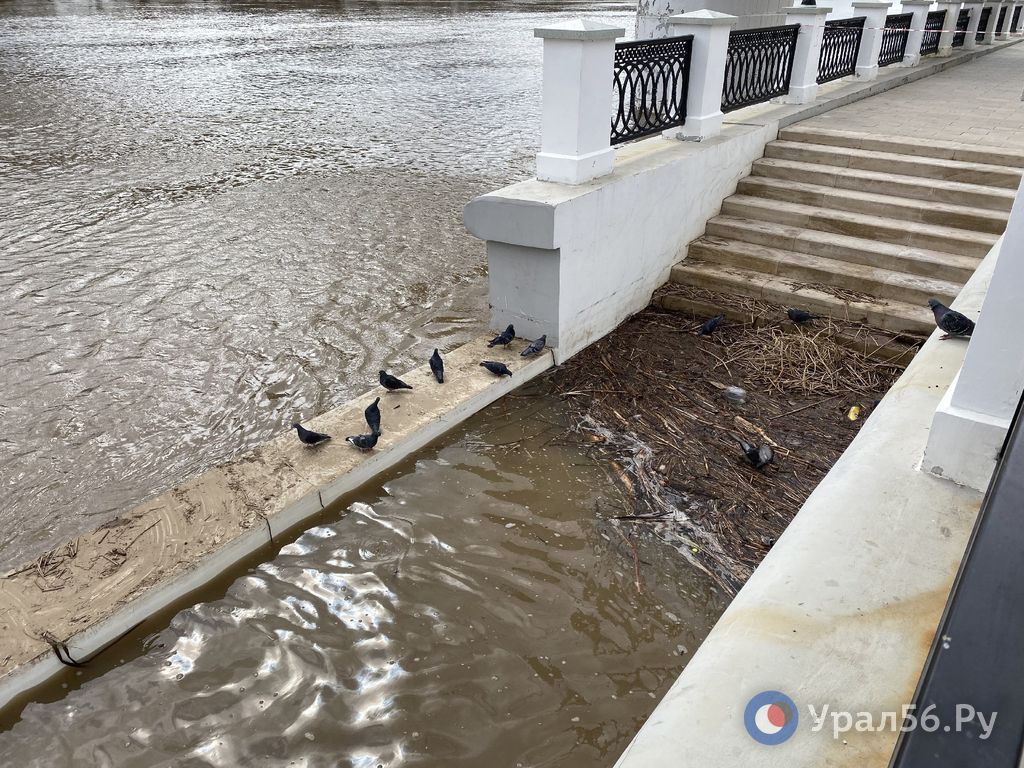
point(972, 27)
point(1002, 32)
point(990, 28)
point(575, 144)
point(952, 9)
point(974, 416)
point(803, 85)
point(652, 17)
point(710, 30)
point(874, 13)
point(912, 55)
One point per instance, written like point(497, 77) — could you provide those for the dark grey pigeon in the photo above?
point(504, 338)
point(536, 347)
point(800, 315)
point(391, 383)
point(950, 321)
point(756, 457)
point(308, 436)
point(498, 369)
point(709, 327)
point(437, 366)
point(363, 442)
point(372, 414)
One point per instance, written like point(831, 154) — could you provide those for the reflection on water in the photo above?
point(218, 216)
point(475, 611)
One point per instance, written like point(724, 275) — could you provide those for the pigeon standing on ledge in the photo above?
point(498, 369)
point(756, 457)
point(709, 327)
point(391, 383)
point(536, 347)
point(800, 315)
point(363, 442)
point(372, 414)
point(308, 436)
point(437, 366)
point(950, 321)
point(504, 338)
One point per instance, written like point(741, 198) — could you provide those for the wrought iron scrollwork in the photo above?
point(758, 65)
point(1015, 21)
point(963, 20)
point(840, 46)
point(651, 81)
point(999, 20)
point(894, 38)
point(932, 32)
point(986, 14)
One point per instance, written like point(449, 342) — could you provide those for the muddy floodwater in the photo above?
point(218, 216)
point(479, 609)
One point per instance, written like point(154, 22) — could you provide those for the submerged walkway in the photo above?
point(842, 612)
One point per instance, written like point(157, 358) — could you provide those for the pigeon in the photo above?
point(364, 442)
point(372, 414)
point(308, 436)
point(437, 366)
point(504, 338)
point(800, 315)
point(756, 457)
point(391, 383)
point(709, 327)
point(950, 321)
point(536, 347)
point(498, 369)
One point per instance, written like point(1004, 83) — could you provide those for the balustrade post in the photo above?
point(1003, 30)
point(990, 27)
point(803, 85)
point(710, 30)
point(579, 60)
point(970, 40)
point(919, 9)
point(973, 417)
point(874, 13)
point(952, 9)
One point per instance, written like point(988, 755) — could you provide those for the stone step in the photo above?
point(886, 314)
point(916, 234)
point(902, 145)
point(889, 162)
point(802, 267)
point(935, 190)
point(905, 209)
point(857, 250)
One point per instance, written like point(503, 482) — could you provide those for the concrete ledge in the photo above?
point(98, 587)
point(843, 610)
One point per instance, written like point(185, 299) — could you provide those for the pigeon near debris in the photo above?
point(709, 327)
point(536, 347)
point(504, 338)
point(372, 414)
point(800, 315)
point(498, 369)
point(756, 457)
point(391, 383)
point(437, 366)
point(951, 321)
point(364, 442)
point(308, 436)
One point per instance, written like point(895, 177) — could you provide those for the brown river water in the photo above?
point(477, 609)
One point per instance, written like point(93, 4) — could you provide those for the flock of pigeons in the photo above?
point(951, 322)
point(393, 384)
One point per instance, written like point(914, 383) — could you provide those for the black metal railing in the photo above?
point(932, 32)
point(1015, 21)
point(963, 20)
point(999, 21)
point(651, 80)
point(840, 45)
point(894, 38)
point(986, 14)
point(758, 65)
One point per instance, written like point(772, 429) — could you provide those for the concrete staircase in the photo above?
point(859, 227)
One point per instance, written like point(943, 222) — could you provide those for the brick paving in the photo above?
point(979, 102)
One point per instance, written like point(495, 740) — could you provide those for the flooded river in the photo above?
point(217, 216)
point(480, 609)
